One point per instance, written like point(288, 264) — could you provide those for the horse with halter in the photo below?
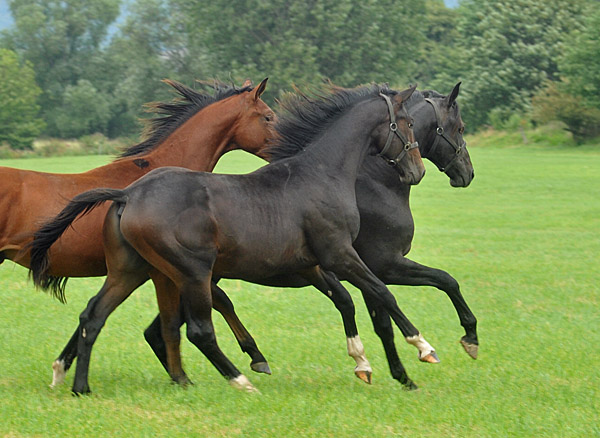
point(287, 217)
point(386, 233)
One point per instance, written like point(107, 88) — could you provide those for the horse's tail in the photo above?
point(51, 231)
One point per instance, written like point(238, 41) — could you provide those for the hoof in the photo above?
point(409, 386)
point(182, 381)
point(242, 383)
point(261, 367)
point(77, 392)
point(430, 358)
point(365, 376)
point(471, 349)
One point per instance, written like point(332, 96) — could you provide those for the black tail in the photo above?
point(51, 231)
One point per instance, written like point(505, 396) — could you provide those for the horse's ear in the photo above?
point(454, 94)
point(247, 83)
point(404, 95)
point(259, 90)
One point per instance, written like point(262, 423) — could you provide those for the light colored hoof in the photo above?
point(432, 357)
point(58, 373)
point(364, 375)
point(242, 383)
point(471, 349)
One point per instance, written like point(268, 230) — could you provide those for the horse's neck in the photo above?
point(199, 142)
point(342, 148)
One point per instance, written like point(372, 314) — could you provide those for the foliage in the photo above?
point(83, 110)
point(508, 49)
point(59, 38)
point(19, 109)
point(504, 52)
point(581, 119)
point(580, 65)
point(296, 41)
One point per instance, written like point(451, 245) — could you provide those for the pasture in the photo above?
point(523, 241)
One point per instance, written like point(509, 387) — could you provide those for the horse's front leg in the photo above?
point(403, 271)
point(331, 287)
point(346, 263)
point(222, 304)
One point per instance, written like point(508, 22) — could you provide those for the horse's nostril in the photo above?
point(473, 174)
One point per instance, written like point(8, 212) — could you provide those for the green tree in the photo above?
point(580, 65)
point(84, 111)
point(19, 120)
point(59, 38)
point(507, 50)
point(304, 41)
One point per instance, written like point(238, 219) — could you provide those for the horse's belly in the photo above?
point(263, 260)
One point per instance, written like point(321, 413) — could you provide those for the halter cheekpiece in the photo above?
point(440, 133)
point(393, 161)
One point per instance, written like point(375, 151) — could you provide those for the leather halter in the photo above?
point(393, 161)
point(442, 134)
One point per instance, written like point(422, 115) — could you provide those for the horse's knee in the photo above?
point(201, 335)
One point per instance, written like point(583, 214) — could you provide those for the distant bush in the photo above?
point(553, 104)
point(86, 145)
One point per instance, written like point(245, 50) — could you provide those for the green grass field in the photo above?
point(524, 243)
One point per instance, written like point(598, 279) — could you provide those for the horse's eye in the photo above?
point(461, 130)
point(269, 118)
point(410, 125)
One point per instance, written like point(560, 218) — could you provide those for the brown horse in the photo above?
point(193, 131)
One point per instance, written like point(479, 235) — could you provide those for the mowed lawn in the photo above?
point(524, 243)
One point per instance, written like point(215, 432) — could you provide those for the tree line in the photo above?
point(69, 68)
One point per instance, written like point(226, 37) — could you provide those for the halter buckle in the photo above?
point(440, 130)
point(393, 126)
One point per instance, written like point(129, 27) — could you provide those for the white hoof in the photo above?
point(58, 373)
point(242, 383)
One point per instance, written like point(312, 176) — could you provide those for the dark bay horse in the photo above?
point(287, 217)
point(387, 228)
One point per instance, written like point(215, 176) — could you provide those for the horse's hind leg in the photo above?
point(403, 271)
point(115, 290)
point(222, 304)
point(166, 342)
point(197, 307)
point(331, 287)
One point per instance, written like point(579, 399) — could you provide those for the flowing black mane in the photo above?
point(171, 115)
point(303, 117)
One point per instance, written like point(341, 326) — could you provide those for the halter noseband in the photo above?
point(394, 131)
point(441, 133)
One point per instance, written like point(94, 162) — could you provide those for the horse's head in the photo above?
point(254, 126)
point(448, 149)
point(395, 139)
